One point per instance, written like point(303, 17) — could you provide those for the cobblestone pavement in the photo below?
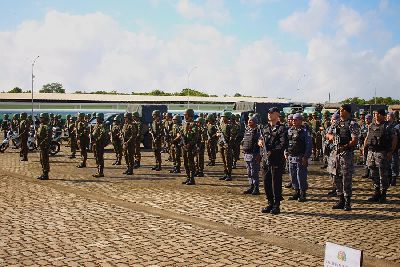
point(150, 214)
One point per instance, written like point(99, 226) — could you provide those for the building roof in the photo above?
point(103, 98)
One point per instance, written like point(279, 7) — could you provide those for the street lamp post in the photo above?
point(33, 77)
point(188, 82)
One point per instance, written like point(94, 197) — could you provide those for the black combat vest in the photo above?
point(378, 137)
point(249, 140)
point(343, 132)
point(297, 142)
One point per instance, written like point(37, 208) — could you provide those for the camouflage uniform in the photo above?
point(315, 124)
point(189, 137)
point(379, 145)
point(212, 140)
point(129, 135)
point(15, 123)
point(326, 123)
point(24, 128)
point(176, 151)
point(43, 139)
point(343, 160)
point(167, 134)
point(83, 138)
point(201, 147)
point(5, 125)
point(225, 146)
point(116, 140)
point(73, 142)
point(157, 131)
point(138, 140)
point(99, 136)
point(238, 128)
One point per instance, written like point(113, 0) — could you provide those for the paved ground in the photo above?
point(151, 219)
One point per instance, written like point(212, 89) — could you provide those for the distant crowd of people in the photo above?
point(283, 143)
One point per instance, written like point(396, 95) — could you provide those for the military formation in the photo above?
point(283, 144)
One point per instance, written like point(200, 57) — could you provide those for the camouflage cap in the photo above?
point(44, 115)
point(24, 115)
point(176, 117)
point(226, 114)
point(199, 119)
point(210, 117)
point(135, 114)
point(100, 116)
point(81, 115)
point(5, 115)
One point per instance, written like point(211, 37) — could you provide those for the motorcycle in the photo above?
point(12, 137)
point(55, 142)
point(32, 139)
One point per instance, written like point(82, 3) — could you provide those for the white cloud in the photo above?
point(214, 10)
point(349, 22)
point(308, 23)
point(92, 52)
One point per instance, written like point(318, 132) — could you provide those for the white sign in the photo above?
point(341, 256)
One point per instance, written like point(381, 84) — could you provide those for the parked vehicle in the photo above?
point(11, 139)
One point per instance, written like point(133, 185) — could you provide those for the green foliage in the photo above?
point(52, 88)
point(377, 100)
point(15, 90)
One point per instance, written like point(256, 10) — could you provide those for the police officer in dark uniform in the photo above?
point(252, 155)
point(73, 143)
point(43, 140)
point(394, 164)
point(299, 151)
point(201, 146)
point(273, 142)
point(24, 128)
point(364, 152)
point(381, 142)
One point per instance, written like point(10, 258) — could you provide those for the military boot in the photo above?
point(275, 209)
point(249, 190)
point(81, 165)
point(339, 204)
point(173, 170)
point(200, 174)
point(296, 195)
point(118, 162)
point(268, 208)
point(347, 204)
point(302, 197)
point(45, 176)
point(191, 180)
point(40, 177)
point(256, 191)
point(129, 171)
point(228, 177)
point(177, 170)
point(224, 177)
point(137, 164)
point(393, 183)
point(376, 196)
point(382, 198)
point(126, 171)
point(187, 178)
point(332, 193)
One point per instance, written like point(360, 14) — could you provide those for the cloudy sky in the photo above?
point(297, 49)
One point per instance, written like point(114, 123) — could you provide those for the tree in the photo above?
point(52, 88)
point(15, 90)
point(237, 95)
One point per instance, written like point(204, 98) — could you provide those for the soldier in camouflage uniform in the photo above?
point(315, 124)
point(83, 138)
point(116, 140)
point(129, 134)
point(201, 146)
point(43, 135)
point(239, 129)
point(189, 137)
point(167, 134)
point(73, 141)
point(5, 125)
point(345, 138)
point(99, 136)
point(394, 164)
point(381, 141)
point(15, 123)
point(138, 140)
point(212, 140)
point(364, 152)
point(23, 135)
point(176, 151)
point(157, 132)
point(225, 145)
